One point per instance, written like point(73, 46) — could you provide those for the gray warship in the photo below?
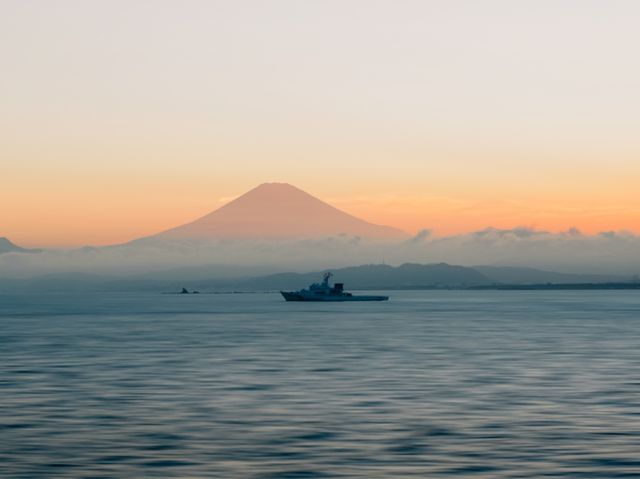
point(324, 292)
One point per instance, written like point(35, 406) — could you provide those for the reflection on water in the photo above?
point(431, 384)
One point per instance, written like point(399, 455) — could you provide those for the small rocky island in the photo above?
point(186, 291)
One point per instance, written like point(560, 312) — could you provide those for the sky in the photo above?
point(120, 119)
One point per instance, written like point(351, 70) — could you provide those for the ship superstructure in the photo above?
point(325, 292)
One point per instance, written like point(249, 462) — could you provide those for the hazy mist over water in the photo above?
point(430, 384)
point(570, 251)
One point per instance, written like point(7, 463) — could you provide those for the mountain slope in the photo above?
point(277, 211)
point(7, 246)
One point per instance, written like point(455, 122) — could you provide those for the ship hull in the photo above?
point(328, 298)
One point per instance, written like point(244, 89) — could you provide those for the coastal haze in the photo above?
point(276, 227)
point(122, 119)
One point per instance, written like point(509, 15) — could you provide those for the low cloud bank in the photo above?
point(613, 252)
point(571, 251)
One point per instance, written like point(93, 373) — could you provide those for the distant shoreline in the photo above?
point(557, 286)
point(493, 287)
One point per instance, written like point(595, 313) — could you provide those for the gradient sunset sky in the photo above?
point(123, 118)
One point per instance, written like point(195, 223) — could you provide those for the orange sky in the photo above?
point(66, 213)
point(121, 119)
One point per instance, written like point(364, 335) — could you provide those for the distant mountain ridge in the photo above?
point(6, 246)
point(378, 276)
point(278, 211)
point(375, 276)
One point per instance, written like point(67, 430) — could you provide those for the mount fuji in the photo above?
point(274, 211)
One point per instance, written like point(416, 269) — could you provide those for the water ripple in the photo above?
point(433, 384)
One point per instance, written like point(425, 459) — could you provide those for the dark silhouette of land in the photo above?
point(406, 276)
point(559, 286)
point(6, 246)
point(409, 276)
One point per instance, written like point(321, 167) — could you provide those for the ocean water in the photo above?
point(432, 384)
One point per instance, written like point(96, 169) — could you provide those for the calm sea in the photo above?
point(432, 384)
